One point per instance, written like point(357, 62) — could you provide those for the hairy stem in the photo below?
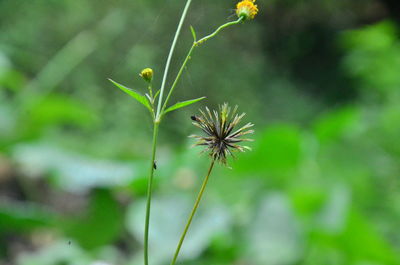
point(171, 52)
point(188, 56)
point(196, 205)
point(149, 193)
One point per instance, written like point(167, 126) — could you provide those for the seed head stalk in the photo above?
point(193, 212)
point(220, 139)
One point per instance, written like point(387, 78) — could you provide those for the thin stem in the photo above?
point(240, 19)
point(151, 99)
point(188, 56)
point(171, 52)
point(196, 205)
point(150, 87)
point(178, 76)
point(149, 192)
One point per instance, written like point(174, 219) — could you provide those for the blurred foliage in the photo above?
point(320, 79)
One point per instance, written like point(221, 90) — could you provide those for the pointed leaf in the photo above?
point(156, 95)
point(193, 33)
point(133, 93)
point(183, 104)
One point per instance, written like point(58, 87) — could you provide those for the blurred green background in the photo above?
point(320, 79)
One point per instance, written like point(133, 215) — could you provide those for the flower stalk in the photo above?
point(240, 19)
point(220, 139)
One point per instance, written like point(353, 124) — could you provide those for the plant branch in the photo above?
point(202, 40)
point(196, 205)
point(171, 52)
point(188, 56)
point(178, 76)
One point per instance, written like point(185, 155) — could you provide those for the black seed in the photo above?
point(194, 118)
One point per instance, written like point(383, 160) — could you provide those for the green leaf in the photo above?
point(58, 110)
point(103, 214)
point(193, 33)
point(20, 218)
point(156, 95)
point(134, 94)
point(183, 104)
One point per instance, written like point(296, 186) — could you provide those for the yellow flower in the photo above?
point(246, 9)
point(147, 74)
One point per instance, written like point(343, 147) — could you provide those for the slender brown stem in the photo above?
point(196, 205)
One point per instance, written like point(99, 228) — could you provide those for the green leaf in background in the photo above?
point(334, 125)
point(166, 226)
point(100, 225)
point(277, 152)
point(58, 109)
point(183, 104)
point(376, 248)
point(372, 57)
point(58, 252)
point(273, 235)
point(134, 94)
point(72, 172)
point(19, 217)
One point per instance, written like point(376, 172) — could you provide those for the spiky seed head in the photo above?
point(220, 137)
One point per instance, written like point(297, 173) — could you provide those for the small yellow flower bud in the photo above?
point(246, 9)
point(147, 74)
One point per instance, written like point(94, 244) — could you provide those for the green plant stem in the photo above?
point(202, 40)
point(188, 56)
point(149, 193)
point(178, 76)
point(151, 93)
point(171, 52)
point(196, 205)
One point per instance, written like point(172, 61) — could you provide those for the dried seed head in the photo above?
point(246, 9)
point(147, 74)
point(221, 138)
